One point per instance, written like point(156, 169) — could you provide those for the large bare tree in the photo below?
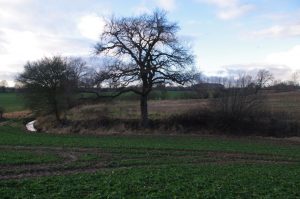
point(147, 51)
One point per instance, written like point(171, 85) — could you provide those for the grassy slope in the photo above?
point(159, 181)
point(11, 102)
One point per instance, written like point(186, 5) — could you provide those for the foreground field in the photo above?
point(72, 166)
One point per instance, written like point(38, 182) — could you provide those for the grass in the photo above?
point(120, 108)
point(206, 181)
point(286, 101)
point(14, 136)
point(11, 102)
point(145, 166)
point(21, 157)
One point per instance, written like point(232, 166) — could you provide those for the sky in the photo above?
point(227, 36)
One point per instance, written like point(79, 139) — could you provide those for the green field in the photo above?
point(39, 165)
point(11, 102)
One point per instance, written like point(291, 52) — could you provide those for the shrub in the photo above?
point(237, 104)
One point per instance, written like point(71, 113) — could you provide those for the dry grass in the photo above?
point(173, 116)
point(288, 102)
point(17, 115)
point(131, 110)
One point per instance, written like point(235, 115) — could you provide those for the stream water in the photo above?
point(30, 126)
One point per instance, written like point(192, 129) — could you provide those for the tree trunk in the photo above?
point(56, 111)
point(57, 115)
point(144, 111)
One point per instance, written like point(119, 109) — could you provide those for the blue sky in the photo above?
point(226, 35)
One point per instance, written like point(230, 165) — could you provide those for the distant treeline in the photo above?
point(279, 87)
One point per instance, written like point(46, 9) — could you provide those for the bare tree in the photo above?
point(240, 99)
point(296, 78)
point(18, 85)
point(3, 85)
point(83, 74)
point(148, 52)
point(263, 78)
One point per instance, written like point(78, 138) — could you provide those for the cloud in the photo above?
point(222, 3)
point(278, 31)
point(29, 31)
point(168, 5)
point(146, 6)
point(229, 9)
point(91, 26)
point(289, 58)
point(234, 12)
point(282, 72)
point(22, 46)
point(142, 9)
point(9, 77)
point(281, 64)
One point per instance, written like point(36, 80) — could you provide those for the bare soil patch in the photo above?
point(17, 115)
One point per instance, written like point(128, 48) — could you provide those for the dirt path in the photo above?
point(90, 160)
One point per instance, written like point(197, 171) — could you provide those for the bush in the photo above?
point(237, 104)
point(211, 120)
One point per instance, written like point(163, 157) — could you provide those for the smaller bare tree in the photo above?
point(296, 78)
point(3, 85)
point(264, 78)
point(50, 85)
point(240, 99)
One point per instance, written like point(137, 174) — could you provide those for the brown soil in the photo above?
point(17, 115)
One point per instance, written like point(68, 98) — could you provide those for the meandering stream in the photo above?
point(30, 126)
